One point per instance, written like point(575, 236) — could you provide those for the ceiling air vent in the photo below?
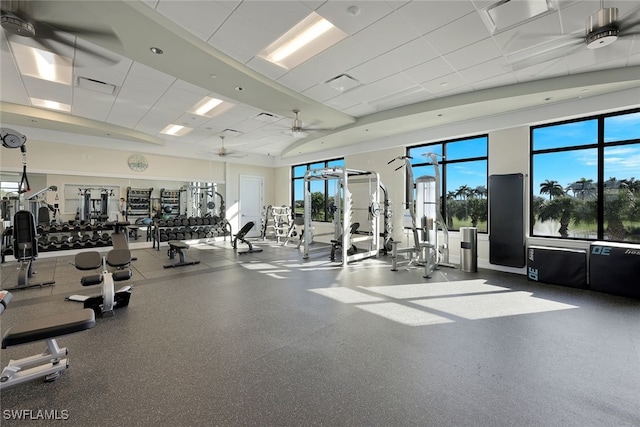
point(96, 85)
point(343, 82)
point(267, 117)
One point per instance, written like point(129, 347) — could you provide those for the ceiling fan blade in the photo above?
point(520, 60)
point(631, 19)
point(53, 34)
point(629, 33)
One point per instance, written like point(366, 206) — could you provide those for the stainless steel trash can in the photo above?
point(469, 249)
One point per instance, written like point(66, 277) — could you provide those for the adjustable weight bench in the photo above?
point(51, 362)
point(104, 304)
point(177, 247)
point(241, 236)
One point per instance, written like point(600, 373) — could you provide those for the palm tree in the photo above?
point(481, 191)
point(560, 209)
point(464, 191)
point(552, 188)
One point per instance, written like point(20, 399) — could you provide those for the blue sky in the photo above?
point(621, 162)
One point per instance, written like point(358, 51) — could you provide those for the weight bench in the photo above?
point(241, 236)
point(337, 243)
point(177, 247)
point(51, 362)
point(104, 304)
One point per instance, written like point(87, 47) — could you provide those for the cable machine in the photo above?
point(424, 208)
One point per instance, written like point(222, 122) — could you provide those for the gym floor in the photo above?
point(272, 339)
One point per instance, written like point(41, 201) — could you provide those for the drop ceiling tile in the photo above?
point(319, 70)
point(295, 82)
point(539, 31)
point(43, 89)
point(465, 31)
point(381, 88)
point(341, 102)
point(384, 35)
point(397, 4)
point(231, 51)
point(276, 16)
point(404, 57)
point(409, 96)
point(11, 86)
point(178, 99)
point(360, 110)
point(348, 53)
point(201, 18)
point(124, 113)
point(486, 70)
point(426, 16)
point(597, 59)
point(142, 72)
point(138, 91)
point(189, 87)
point(244, 34)
point(429, 70)
point(548, 69)
point(444, 84)
point(502, 80)
point(321, 92)
point(337, 13)
point(92, 105)
point(473, 54)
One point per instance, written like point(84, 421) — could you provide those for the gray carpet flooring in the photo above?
point(270, 339)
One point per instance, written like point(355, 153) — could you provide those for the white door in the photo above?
point(251, 202)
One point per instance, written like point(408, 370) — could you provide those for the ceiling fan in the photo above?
point(603, 28)
point(17, 22)
point(299, 131)
point(223, 152)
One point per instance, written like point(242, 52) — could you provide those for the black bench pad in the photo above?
point(119, 257)
point(49, 327)
point(177, 244)
point(88, 260)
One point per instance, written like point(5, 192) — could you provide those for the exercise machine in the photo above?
point(25, 249)
point(119, 259)
point(241, 236)
point(53, 360)
point(423, 202)
point(109, 299)
point(178, 247)
point(346, 212)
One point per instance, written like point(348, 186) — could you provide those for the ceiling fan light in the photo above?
point(602, 38)
point(17, 26)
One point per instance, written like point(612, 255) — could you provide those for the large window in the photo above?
point(463, 173)
point(321, 193)
point(584, 178)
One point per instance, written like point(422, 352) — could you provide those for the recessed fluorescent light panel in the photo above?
point(211, 107)
point(506, 14)
point(176, 130)
point(308, 38)
point(50, 105)
point(42, 64)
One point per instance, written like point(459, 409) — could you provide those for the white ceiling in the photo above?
point(419, 64)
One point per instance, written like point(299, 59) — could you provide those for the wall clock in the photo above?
point(137, 163)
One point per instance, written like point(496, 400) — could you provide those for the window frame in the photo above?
point(444, 166)
point(600, 145)
point(316, 165)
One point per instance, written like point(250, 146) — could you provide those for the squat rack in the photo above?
point(343, 215)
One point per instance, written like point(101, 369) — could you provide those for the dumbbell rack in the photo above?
point(183, 228)
point(139, 202)
point(170, 198)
